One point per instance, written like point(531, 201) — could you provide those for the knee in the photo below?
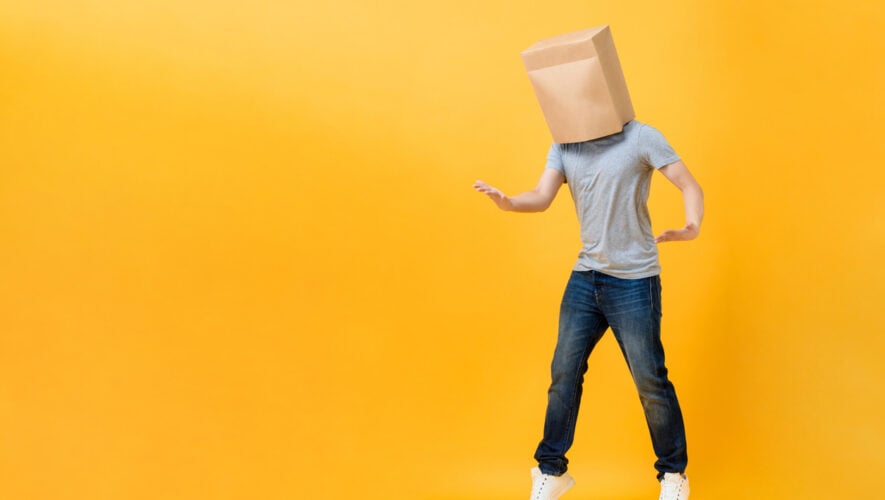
point(567, 373)
point(653, 384)
point(562, 375)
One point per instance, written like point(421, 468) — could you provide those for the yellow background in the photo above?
point(240, 257)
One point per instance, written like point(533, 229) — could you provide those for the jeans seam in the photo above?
point(574, 413)
point(653, 295)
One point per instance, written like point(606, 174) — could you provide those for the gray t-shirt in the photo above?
point(609, 179)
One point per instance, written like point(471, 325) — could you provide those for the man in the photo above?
point(615, 283)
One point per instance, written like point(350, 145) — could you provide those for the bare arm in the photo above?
point(536, 200)
point(693, 198)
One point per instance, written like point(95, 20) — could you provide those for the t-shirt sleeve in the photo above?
point(554, 159)
point(654, 148)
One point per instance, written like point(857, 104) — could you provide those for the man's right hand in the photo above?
point(536, 200)
point(495, 194)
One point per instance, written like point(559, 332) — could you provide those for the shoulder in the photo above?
point(646, 133)
point(656, 151)
point(642, 128)
point(638, 133)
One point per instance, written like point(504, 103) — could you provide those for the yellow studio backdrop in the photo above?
point(240, 257)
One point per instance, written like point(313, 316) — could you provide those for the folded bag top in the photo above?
point(579, 84)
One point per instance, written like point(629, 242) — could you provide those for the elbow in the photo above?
point(542, 201)
point(693, 188)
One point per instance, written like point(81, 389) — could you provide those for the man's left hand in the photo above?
point(688, 232)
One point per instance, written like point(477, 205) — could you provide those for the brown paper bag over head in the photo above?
point(579, 83)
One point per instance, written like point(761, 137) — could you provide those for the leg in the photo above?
point(581, 325)
point(633, 307)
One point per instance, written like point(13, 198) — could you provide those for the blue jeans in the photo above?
point(632, 307)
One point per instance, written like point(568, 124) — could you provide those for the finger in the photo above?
point(665, 236)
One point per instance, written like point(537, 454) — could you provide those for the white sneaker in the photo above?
point(674, 486)
point(549, 487)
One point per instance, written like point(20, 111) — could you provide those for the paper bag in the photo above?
point(579, 83)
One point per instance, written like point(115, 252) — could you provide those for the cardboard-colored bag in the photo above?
point(580, 85)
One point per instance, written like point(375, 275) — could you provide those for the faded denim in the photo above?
point(592, 302)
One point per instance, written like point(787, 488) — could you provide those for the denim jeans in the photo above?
point(632, 308)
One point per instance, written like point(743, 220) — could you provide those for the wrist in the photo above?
point(506, 204)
